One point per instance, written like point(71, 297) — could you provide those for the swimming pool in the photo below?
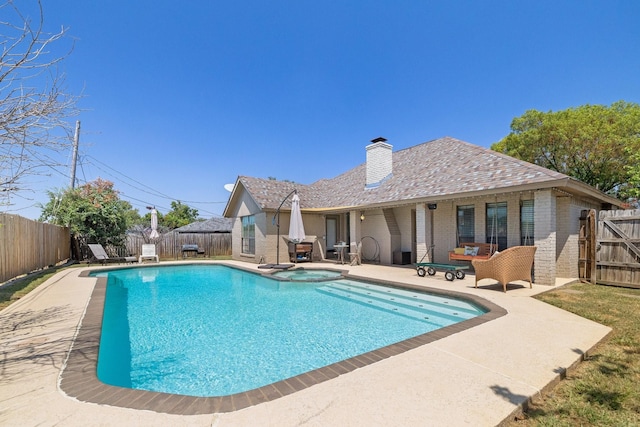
point(213, 330)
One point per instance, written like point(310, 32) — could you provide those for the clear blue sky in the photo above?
point(182, 97)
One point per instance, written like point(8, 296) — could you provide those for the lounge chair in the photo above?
point(99, 254)
point(148, 253)
point(356, 257)
point(514, 263)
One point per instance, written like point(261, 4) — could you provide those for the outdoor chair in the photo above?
point(356, 257)
point(99, 254)
point(148, 253)
point(514, 263)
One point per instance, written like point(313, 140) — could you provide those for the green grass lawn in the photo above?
point(17, 288)
point(604, 390)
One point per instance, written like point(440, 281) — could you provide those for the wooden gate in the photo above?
point(616, 249)
point(587, 246)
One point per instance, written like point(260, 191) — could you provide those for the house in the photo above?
point(208, 226)
point(418, 204)
point(212, 236)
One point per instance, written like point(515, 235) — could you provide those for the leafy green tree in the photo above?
point(179, 216)
point(93, 212)
point(634, 179)
point(595, 144)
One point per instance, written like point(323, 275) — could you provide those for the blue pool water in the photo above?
point(304, 275)
point(212, 330)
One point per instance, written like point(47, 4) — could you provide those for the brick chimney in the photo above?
point(379, 162)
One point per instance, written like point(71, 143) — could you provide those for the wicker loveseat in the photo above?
point(511, 264)
point(484, 251)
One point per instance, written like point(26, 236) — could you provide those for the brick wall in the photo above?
point(421, 226)
point(444, 231)
point(567, 247)
point(545, 213)
point(567, 239)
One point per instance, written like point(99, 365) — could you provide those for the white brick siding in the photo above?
point(379, 162)
point(444, 231)
point(421, 233)
point(545, 235)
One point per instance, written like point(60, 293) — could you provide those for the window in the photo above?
point(497, 224)
point(526, 222)
point(249, 234)
point(466, 224)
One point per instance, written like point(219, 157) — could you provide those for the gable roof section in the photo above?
point(442, 168)
point(212, 225)
point(268, 194)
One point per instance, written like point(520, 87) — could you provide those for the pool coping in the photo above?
point(79, 380)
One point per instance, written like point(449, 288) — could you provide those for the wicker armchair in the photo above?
point(511, 264)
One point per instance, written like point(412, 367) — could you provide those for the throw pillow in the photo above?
point(494, 254)
point(468, 250)
point(458, 251)
point(476, 250)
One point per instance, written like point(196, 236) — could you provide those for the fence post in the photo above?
point(592, 245)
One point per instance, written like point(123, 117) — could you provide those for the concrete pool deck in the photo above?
point(474, 377)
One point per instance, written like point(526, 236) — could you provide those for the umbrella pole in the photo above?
point(278, 239)
point(277, 214)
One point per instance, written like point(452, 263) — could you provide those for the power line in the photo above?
point(83, 160)
point(154, 191)
point(146, 190)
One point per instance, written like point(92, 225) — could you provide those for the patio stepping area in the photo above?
point(478, 374)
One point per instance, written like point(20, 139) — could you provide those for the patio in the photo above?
point(475, 377)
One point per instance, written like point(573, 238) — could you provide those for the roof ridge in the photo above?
point(546, 171)
point(503, 156)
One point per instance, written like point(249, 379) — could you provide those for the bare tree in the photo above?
point(34, 107)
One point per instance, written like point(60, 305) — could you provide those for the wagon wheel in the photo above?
point(431, 271)
point(449, 276)
point(460, 274)
point(421, 272)
point(370, 250)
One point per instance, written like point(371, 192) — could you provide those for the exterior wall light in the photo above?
point(361, 216)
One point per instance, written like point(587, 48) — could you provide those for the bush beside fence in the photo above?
point(27, 245)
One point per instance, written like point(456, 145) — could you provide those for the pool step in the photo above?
point(414, 314)
point(431, 299)
point(457, 309)
point(408, 306)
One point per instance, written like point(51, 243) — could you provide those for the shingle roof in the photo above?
point(438, 168)
point(213, 225)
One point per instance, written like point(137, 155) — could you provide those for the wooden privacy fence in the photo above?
point(610, 248)
point(169, 246)
point(27, 245)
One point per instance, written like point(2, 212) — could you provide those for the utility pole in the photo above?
point(76, 141)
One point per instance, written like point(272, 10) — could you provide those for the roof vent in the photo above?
point(379, 162)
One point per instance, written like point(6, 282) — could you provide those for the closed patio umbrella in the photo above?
point(296, 227)
point(154, 225)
